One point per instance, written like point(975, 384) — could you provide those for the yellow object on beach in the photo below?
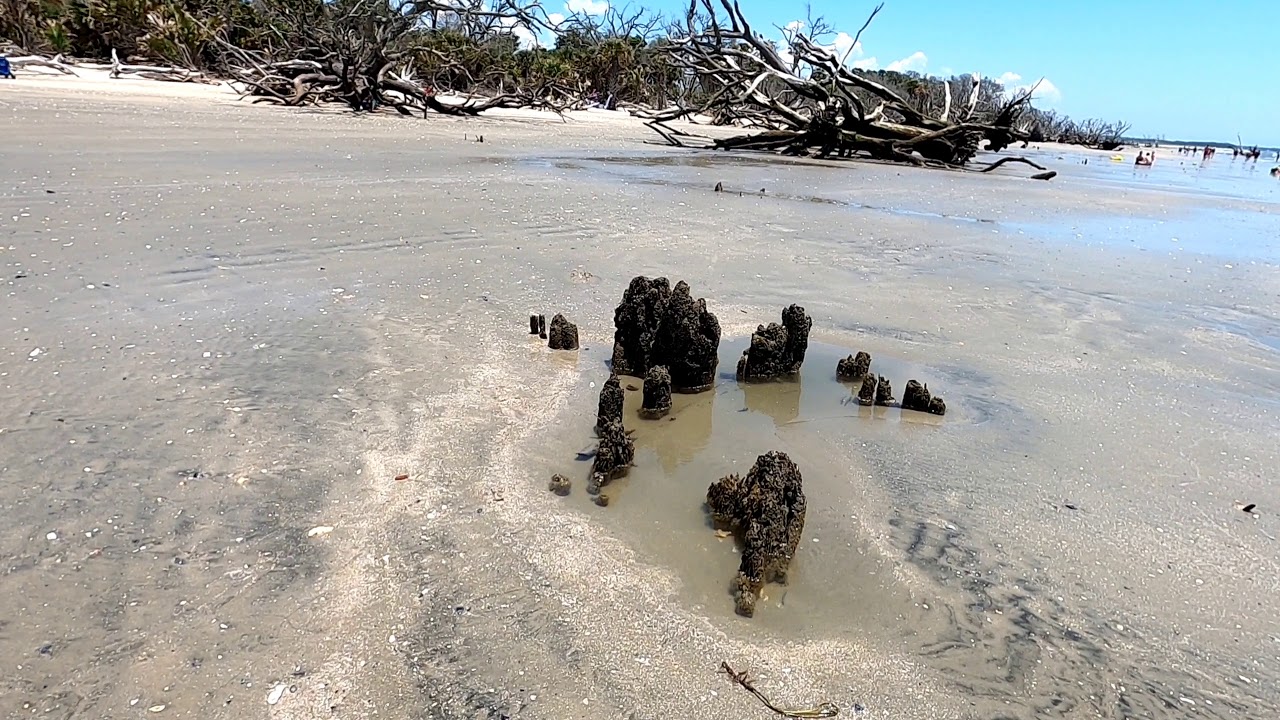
point(1117, 158)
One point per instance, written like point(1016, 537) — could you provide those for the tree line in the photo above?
point(368, 53)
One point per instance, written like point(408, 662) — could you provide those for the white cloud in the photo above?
point(784, 52)
point(555, 19)
point(846, 48)
point(915, 62)
point(526, 37)
point(1046, 93)
point(528, 40)
point(587, 7)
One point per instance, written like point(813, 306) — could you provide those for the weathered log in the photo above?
point(54, 63)
point(155, 72)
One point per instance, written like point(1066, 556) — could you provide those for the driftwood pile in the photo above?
point(364, 58)
point(805, 100)
point(118, 68)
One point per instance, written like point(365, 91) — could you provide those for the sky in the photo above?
point(1174, 69)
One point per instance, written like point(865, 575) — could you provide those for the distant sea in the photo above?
point(1231, 209)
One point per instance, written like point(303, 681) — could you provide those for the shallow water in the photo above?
point(1234, 233)
point(1221, 176)
point(839, 583)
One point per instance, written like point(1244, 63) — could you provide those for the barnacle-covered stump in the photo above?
point(560, 484)
point(657, 326)
point(611, 399)
point(767, 510)
point(688, 342)
point(917, 397)
point(636, 321)
point(884, 392)
point(657, 393)
point(777, 350)
point(614, 455)
point(867, 393)
point(563, 334)
point(854, 367)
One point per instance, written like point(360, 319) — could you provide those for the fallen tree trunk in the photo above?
point(156, 72)
point(55, 63)
point(813, 104)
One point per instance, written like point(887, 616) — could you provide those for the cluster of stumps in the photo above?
point(562, 336)
point(664, 335)
point(876, 389)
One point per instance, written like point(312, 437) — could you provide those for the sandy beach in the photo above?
point(230, 328)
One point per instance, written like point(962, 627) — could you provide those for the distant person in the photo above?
point(5, 70)
point(1275, 171)
point(1145, 159)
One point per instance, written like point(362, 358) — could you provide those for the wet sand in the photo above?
point(250, 322)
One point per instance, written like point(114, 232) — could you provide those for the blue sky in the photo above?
point(1190, 70)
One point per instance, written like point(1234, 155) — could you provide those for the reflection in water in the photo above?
point(680, 436)
point(779, 399)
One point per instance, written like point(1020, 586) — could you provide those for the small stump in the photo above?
point(916, 397)
point(657, 394)
point(614, 455)
point(884, 392)
point(777, 350)
point(854, 367)
point(611, 399)
point(867, 393)
point(767, 510)
point(560, 485)
point(563, 335)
